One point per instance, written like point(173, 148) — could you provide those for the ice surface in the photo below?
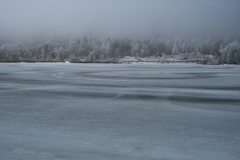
point(119, 111)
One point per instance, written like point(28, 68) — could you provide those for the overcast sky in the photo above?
point(118, 18)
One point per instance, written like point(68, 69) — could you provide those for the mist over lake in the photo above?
point(119, 80)
point(27, 19)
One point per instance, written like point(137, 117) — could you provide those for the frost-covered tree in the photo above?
point(215, 50)
point(59, 53)
point(6, 52)
point(92, 57)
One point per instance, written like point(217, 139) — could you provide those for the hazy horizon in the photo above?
point(61, 18)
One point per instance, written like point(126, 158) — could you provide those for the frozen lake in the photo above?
point(119, 111)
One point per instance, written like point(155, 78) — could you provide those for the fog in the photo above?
point(117, 18)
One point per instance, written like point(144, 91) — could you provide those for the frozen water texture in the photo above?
point(119, 111)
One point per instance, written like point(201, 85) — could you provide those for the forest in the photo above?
point(205, 50)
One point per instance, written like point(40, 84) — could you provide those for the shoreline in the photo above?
point(121, 62)
point(116, 62)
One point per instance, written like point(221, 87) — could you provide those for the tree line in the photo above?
point(221, 50)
